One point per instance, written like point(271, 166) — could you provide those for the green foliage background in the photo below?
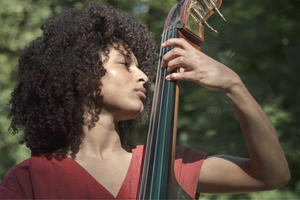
point(260, 41)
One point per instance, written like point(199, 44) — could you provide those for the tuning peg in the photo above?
point(200, 18)
point(217, 10)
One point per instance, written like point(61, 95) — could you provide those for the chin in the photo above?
point(134, 111)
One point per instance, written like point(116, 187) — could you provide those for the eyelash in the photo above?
point(125, 63)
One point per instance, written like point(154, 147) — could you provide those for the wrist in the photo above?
point(235, 86)
point(238, 94)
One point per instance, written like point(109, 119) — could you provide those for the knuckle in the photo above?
point(181, 60)
point(164, 58)
point(175, 50)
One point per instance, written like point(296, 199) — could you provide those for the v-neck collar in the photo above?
point(98, 183)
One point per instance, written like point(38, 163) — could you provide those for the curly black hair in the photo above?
point(59, 75)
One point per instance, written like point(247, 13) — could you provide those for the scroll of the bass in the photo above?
point(157, 181)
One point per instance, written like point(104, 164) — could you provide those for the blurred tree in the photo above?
point(260, 42)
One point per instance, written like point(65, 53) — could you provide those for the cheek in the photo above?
point(118, 94)
point(110, 82)
point(114, 92)
point(117, 77)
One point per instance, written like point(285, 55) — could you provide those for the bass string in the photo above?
point(169, 84)
point(153, 116)
point(161, 88)
point(160, 85)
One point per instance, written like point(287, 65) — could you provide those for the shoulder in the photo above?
point(188, 160)
point(187, 166)
point(36, 176)
point(19, 170)
point(24, 169)
point(181, 151)
point(34, 165)
point(17, 182)
point(188, 154)
point(183, 154)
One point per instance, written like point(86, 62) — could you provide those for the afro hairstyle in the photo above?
point(59, 75)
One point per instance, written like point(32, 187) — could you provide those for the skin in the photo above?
point(267, 167)
point(103, 157)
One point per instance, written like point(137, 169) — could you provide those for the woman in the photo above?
point(81, 86)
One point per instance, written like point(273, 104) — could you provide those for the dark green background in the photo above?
point(259, 41)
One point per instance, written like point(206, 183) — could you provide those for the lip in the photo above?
point(141, 92)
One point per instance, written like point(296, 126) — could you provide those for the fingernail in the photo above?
point(168, 77)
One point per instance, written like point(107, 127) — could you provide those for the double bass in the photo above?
point(186, 19)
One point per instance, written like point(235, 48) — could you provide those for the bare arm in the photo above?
point(267, 167)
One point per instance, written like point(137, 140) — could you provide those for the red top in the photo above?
point(39, 178)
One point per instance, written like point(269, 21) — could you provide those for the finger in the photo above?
point(177, 42)
point(181, 76)
point(178, 62)
point(172, 54)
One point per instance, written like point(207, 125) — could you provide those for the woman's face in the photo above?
point(122, 86)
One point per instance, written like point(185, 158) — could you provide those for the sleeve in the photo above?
point(188, 163)
point(16, 184)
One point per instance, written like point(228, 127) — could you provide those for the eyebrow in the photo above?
point(118, 56)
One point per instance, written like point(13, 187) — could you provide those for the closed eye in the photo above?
point(125, 64)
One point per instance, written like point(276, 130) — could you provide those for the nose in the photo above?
point(142, 77)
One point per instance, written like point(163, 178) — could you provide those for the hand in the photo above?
point(197, 67)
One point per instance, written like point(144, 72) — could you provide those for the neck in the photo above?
point(102, 140)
